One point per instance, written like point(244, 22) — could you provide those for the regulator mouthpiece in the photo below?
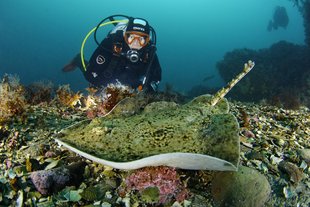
point(133, 56)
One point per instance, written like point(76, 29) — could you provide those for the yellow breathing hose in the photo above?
point(89, 33)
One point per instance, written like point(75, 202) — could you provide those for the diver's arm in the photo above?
point(156, 70)
point(99, 61)
point(155, 75)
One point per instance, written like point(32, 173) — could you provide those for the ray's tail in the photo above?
point(221, 93)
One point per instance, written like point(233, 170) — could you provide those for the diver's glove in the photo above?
point(154, 85)
point(151, 88)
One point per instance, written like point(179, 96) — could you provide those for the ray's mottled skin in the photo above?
point(191, 136)
point(201, 134)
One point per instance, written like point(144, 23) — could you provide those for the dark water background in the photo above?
point(37, 37)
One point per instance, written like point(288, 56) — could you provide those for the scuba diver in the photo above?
point(127, 56)
point(280, 19)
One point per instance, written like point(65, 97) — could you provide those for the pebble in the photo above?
point(305, 154)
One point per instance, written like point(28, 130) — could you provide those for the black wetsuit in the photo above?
point(107, 65)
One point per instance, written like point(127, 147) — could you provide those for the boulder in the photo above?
point(246, 187)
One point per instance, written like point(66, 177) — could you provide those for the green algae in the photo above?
point(162, 127)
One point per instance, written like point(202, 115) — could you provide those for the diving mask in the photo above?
point(131, 36)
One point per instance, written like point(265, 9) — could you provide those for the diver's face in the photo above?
point(136, 41)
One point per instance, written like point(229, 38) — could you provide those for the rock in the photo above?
point(35, 149)
point(200, 201)
point(53, 180)
point(305, 154)
point(255, 155)
point(246, 187)
point(295, 174)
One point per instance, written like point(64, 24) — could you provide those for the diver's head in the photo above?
point(137, 33)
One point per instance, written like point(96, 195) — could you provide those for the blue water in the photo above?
point(38, 37)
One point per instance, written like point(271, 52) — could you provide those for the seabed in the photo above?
point(273, 141)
